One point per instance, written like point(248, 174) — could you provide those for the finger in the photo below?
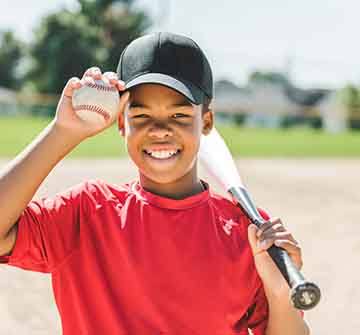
point(265, 244)
point(269, 224)
point(282, 235)
point(285, 235)
point(273, 239)
point(293, 249)
point(112, 78)
point(88, 80)
point(271, 231)
point(72, 84)
point(121, 85)
point(288, 245)
point(94, 72)
point(105, 79)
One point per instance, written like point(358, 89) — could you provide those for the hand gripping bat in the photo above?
point(215, 156)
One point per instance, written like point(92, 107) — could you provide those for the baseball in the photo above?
point(96, 103)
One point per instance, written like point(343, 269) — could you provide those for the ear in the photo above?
point(121, 124)
point(121, 115)
point(208, 121)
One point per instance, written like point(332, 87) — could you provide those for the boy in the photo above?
point(150, 256)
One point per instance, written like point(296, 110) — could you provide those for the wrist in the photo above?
point(68, 136)
point(279, 293)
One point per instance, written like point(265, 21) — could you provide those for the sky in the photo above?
point(315, 42)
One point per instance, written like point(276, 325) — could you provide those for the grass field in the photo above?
point(16, 133)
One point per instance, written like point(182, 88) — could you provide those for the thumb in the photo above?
point(67, 93)
point(252, 230)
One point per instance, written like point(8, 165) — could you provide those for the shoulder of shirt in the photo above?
point(225, 207)
point(94, 192)
point(229, 206)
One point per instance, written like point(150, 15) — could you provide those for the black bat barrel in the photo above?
point(304, 294)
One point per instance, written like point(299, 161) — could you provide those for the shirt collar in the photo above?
point(164, 202)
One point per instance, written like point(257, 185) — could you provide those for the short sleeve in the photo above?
point(258, 313)
point(48, 231)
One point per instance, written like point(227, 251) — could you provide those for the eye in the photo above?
point(139, 116)
point(180, 115)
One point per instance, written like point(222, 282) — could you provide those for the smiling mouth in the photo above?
point(162, 154)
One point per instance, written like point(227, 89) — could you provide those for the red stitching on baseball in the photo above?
point(101, 87)
point(95, 109)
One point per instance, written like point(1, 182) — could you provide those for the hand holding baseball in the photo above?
point(89, 105)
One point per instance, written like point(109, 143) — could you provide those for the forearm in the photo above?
point(21, 178)
point(283, 317)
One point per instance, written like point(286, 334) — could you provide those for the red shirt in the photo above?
point(125, 261)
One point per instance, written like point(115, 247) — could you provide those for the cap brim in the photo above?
point(190, 91)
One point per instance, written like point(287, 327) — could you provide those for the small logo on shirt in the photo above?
point(229, 224)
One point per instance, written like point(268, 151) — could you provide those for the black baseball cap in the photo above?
point(168, 59)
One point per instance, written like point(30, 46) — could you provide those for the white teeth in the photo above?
point(162, 154)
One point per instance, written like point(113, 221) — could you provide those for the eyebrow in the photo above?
point(138, 104)
point(183, 102)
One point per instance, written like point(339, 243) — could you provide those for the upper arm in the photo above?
point(7, 244)
point(46, 232)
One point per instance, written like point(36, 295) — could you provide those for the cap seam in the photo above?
point(204, 59)
point(165, 74)
point(138, 75)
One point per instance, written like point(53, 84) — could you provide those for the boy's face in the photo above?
point(157, 119)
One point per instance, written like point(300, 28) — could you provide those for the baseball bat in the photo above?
point(215, 156)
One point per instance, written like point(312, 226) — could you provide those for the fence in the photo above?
point(45, 105)
point(28, 104)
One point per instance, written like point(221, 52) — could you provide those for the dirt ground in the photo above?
point(319, 200)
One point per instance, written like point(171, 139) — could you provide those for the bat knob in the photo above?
point(305, 295)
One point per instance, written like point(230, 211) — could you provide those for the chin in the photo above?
point(162, 178)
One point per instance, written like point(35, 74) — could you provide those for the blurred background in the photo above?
point(278, 66)
point(287, 101)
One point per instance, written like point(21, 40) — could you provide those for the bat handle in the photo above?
point(304, 294)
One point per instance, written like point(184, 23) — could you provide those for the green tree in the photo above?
point(120, 24)
point(11, 52)
point(270, 77)
point(350, 96)
point(68, 42)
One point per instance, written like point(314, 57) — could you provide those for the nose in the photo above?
point(160, 131)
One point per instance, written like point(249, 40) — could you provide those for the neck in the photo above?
point(178, 189)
